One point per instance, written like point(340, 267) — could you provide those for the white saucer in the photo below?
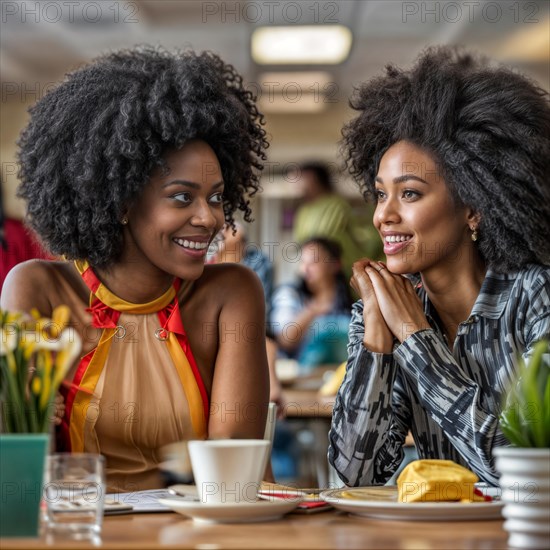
point(243, 512)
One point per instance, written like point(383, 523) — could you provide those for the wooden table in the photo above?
point(318, 531)
point(300, 403)
point(301, 396)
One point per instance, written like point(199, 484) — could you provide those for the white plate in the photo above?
point(245, 512)
point(381, 503)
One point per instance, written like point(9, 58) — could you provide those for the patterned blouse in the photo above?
point(449, 400)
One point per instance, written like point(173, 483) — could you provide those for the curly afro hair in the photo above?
point(93, 142)
point(489, 130)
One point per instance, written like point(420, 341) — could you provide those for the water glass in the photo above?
point(74, 492)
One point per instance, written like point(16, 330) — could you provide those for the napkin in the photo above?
point(311, 500)
point(437, 481)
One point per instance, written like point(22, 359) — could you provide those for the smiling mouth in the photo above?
point(191, 245)
point(397, 238)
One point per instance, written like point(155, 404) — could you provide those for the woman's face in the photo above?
point(316, 266)
point(420, 225)
point(174, 220)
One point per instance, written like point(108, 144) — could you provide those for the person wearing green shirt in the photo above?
point(327, 214)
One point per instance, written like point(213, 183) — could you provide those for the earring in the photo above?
point(474, 234)
point(124, 221)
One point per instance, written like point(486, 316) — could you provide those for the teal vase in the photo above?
point(22, 459)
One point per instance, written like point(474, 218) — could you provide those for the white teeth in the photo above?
point(397, 238)
point(191, 244)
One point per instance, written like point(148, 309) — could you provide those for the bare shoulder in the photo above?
point(30, 285)
point(230, 281)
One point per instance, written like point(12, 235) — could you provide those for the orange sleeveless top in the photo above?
point(138, 390)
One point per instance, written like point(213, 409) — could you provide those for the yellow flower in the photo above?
point(28, 349)
point(36, 385)
point(36, 354)
point(69, 351)
point(60, 319)
point(35, 313)
point(47, 364)
point(9, 317)
point(50, 328)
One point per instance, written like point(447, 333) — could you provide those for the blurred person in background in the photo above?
point(310, 317)
point(324, 213)
point(17, 243)
point(129, 168)
point(310, 320)
point(233, 247)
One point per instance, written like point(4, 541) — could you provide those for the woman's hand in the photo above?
point(397, 300)
point(378, 337)
point(59, 409)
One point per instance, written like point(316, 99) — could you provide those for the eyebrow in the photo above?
point(190, 184)
point(404, 177)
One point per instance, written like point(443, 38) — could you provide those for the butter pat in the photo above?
point(436, 481)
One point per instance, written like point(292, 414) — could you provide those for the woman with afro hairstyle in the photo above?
point(456, 154)
point(129, 168)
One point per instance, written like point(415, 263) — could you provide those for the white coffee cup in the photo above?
point(228, 471)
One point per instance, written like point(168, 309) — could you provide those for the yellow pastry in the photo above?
point(436, 481)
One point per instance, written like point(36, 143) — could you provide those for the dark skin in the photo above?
point(232, 250)
point(431, 236)
point(184, 204)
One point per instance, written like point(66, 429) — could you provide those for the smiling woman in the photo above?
point(129, 168)
point(178, 213)
point(455, 154)
point(420, 224)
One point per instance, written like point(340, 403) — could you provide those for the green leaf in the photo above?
point(14, 404)
point(525, 419)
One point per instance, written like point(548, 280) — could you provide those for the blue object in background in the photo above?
point(326, 342)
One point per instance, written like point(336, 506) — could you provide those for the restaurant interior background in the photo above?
point(304, 94)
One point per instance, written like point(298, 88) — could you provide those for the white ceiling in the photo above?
point(42, 40)
point(39, 42)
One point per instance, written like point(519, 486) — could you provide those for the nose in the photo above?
point(203, 215)
point(387, 212)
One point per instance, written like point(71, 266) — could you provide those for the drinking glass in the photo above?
point(74, 492)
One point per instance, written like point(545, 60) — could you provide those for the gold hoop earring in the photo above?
point(124, 221)
point(474, 234)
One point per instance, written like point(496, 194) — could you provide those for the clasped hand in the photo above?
point(391, 307)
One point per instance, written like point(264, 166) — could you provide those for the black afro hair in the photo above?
point(487, 128)
point(92, 143)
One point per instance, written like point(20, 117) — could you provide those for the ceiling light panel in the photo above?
point(308, 44)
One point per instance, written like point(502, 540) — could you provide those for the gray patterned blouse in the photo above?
point(448, 400)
